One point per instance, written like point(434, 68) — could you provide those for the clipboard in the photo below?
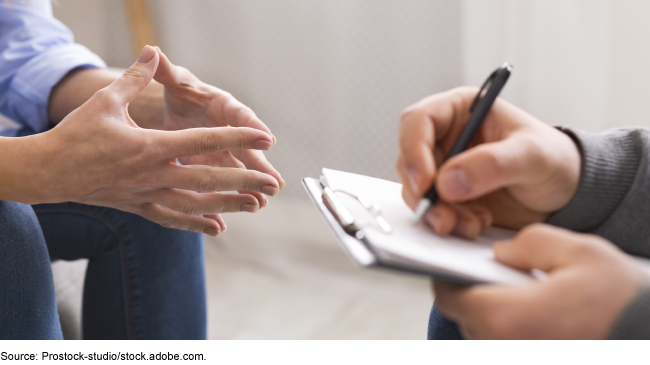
point(359, 246)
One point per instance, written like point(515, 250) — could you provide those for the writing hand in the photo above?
point(516, 172)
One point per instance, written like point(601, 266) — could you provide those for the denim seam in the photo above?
point(124, 251)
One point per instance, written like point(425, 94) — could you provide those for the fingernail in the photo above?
point(274, 139)
point(262, 144)
point(283, 183)
point(434, 220)
point(146, 54)
point(211, 231)
point(455, 183)
point(414, 178)
point(269, 190)
point(252, 208)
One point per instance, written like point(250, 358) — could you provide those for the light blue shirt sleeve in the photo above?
point(36, 52)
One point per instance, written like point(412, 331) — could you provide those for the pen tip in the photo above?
point(424, 206)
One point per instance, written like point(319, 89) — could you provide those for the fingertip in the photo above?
point(503, 251)
point(214, 232)
point(147, 54)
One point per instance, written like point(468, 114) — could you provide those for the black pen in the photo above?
point(479, 109)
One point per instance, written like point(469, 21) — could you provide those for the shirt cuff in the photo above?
point(37, 77)
point(610, 161)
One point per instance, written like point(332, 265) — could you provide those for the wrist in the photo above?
point(24, 167)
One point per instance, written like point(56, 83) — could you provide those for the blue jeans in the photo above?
point(143, 281)
point(441, 328)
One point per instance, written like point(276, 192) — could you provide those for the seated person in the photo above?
point(519, 173)
point(109, 190)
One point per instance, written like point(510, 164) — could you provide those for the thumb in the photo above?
point(137, 77)
point(487, 168)
point(540, 246)
point(165, 74)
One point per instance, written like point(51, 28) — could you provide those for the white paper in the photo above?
point(418, 246)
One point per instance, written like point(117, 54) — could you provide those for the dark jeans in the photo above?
point(441, 328)
point(143, 281)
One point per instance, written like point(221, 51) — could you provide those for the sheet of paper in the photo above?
point(417, 245)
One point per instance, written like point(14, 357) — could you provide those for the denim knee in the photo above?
point(27, 304)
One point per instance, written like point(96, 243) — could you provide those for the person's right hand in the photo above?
point(516, 172)
point(97, 155)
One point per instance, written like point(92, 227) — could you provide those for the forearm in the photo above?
point(79, 85)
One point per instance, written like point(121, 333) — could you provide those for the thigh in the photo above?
point(27, 303)
point(441, 328)
point(143, 281)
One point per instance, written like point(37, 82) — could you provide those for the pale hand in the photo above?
point(191, 103)
point(99, 156)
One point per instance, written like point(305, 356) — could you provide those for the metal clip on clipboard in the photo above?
point(346, 219)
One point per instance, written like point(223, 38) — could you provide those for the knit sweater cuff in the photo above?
point(609, 165)
point(634, 321)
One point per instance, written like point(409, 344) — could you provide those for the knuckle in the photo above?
point(189, 209)
point(208, 144)
point(166, 223)
point(209, 182)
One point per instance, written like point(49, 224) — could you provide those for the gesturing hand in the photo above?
point(590, 281)
point(99, 156)
point(517, 171)
point(191, 103)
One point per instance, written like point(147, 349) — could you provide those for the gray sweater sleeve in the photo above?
point(613, 201)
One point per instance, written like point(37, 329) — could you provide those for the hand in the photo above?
point(590, 281)
point(517, 171)
point(98, 155)
point(191, 103)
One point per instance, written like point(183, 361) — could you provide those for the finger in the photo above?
point(432, 121)
point(206, 141)
point(442, 218)
point(255, 160)
point(542, 247)
point(213, 179)
point(191, 203)
point(219, 219)
point(167, 73)
point(468, 225)
point(261, 199)
point(236, 114)
point(136, 78)
point(171, 219)
point(489, 167)
point(485, 310)
point(483, 214)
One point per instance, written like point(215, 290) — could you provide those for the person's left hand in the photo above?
point(191, 103)
point(589, 283)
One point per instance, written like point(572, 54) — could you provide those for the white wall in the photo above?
point(582, 63)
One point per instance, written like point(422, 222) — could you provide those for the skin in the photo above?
point(517, 171)
point(174, 100)
point(98, 155)
point(590, 281)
